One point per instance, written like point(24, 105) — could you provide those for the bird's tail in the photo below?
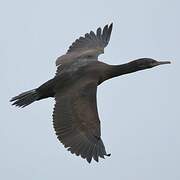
point(25, 98)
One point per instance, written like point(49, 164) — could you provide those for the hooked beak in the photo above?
point(162, 62)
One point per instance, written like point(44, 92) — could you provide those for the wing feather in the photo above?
point(96, 42)
point(88, 47)
point(76, 121)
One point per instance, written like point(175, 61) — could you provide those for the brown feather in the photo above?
point(76, 120)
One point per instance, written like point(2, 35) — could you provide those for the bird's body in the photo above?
point(74, 87)
point(75, 73)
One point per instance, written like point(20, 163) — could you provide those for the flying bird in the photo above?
point(74, 87)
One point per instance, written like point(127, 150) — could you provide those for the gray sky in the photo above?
point(139, 112)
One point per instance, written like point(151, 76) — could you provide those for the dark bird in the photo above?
point(74, 87)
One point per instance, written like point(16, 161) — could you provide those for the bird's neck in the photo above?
point(118, 70)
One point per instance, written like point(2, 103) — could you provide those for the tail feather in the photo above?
point(25, 98)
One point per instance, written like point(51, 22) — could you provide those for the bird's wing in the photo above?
point(90, 46)
point(76, 121)
point(92, 41)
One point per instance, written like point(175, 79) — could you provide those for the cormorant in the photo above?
point(74, 87)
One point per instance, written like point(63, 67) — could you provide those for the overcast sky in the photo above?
point(139, 113)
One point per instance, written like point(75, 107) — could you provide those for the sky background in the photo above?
point(139, 113)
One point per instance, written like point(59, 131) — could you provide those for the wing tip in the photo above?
point(87, 150)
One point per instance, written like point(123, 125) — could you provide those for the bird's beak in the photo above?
point(162, 62)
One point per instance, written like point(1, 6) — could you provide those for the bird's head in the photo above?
point(146, 63)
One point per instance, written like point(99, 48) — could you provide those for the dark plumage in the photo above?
point(74, 87)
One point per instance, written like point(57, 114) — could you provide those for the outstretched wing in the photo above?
point(90, 46)
point(92, 41)
point(76, 121)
